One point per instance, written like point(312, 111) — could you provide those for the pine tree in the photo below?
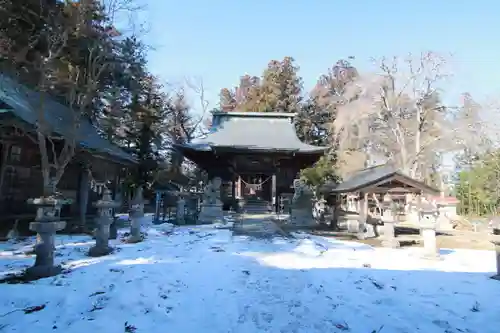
point(280, 89)
point(180, 127)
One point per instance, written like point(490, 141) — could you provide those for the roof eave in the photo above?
point(410, 180)
point(113, 158)
point(255, 114)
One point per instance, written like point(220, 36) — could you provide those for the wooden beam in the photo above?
point(380, 189)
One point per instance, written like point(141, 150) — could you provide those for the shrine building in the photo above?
point(256, 154)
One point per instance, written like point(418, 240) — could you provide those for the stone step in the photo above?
point(256, 209)
point(256, 206)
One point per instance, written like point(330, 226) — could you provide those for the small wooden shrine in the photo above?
point(363, 192)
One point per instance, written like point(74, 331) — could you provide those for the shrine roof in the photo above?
point(253, 131)
point(374, 176)
point(22, 103)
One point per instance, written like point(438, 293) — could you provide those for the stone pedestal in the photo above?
point(136, 215)
point(370, 231)
point(389, 235)
point(389, 227)
point(46, 225)
point(428, 224)
point(495, 239)
point(431, 250)
point(105, 208)
point(210, 213)
point(211, 206)
point(301, 217)
point(352, 222)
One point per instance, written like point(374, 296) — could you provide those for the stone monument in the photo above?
point(47, 223)
point(105, 208)
point(211, 205)
point(389, 228)
point(136, 216)
point(302, 205)
point(428, 223)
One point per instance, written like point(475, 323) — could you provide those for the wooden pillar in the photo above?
point(234, 202)
point(273, 192)
point(334, 223)
point(238, 187)
point(419, 206)
point(363, 213)
point(233, 189)
point(83, 193)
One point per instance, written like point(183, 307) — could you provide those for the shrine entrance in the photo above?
point(257, 186)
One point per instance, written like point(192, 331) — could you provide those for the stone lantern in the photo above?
point(389, 228)
point(46, 224)
point(105, 208)
point(428, 223)
point(495, 239)
point(136, 216)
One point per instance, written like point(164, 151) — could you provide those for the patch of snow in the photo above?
point(160, 229)
point(204, 279)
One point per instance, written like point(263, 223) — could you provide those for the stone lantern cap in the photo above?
point(428, 208)
point(429, 214)
point(106, 201)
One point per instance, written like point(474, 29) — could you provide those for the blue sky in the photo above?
point(221, 40)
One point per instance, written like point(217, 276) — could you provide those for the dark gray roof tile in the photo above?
point(370, 176)
point(254, 131)
point(23, 102)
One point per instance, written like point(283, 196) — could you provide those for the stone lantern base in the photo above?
point(40, 272)
point(495, 239)
point(99, 251)
point(44, 250)
point(391, 243)
point(210, 213)
point(431, 251)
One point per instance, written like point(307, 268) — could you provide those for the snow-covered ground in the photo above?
point(203, 279)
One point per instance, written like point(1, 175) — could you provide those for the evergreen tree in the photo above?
point(180, 126)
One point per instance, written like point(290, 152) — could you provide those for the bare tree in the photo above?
point(126, 11)
point(187, 107)
point(396, 114)
point(57, 128)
